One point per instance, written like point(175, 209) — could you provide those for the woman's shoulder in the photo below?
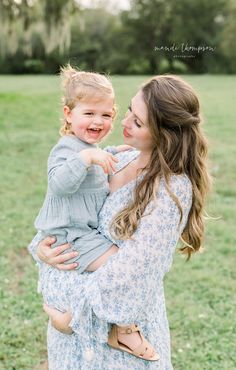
point(179, 185)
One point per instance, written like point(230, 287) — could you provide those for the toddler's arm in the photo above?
point(100, 157)
point(66, 170)
point(117, 149)
point(68, 165)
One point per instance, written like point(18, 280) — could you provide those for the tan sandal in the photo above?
point(144, 351)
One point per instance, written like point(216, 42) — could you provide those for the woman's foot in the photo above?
point(129, 339)
point(132, 340)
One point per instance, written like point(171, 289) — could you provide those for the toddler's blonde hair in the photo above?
point(79, 86)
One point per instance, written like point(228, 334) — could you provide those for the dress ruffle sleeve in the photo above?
point(32, 247)
point(111, 149)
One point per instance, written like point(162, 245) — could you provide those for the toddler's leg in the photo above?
point(129, 339)
point(55, 284)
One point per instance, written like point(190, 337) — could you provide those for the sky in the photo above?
point(111, 4)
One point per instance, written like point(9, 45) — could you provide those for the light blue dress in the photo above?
point(128, 288)
point(75, 195)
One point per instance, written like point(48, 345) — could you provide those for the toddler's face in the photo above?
point(91, 120)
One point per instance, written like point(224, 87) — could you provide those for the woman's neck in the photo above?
point(143, 159)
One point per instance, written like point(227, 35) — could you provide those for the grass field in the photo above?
point(200, 294)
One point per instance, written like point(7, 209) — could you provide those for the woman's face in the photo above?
point(136, 130)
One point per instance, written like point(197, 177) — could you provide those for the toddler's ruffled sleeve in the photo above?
point(66, 170)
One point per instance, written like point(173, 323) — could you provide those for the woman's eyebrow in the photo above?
point(130, 106)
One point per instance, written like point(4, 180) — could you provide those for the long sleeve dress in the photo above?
point(74, 197)
point(128, 288)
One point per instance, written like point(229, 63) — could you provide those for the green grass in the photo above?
point(200, 294)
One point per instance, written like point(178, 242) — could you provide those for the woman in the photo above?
point(157, 197)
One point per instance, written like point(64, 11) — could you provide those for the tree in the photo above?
point(197, 23)
point(148, 23)
point(22, 19)
point(228, 42)
point(191, 23)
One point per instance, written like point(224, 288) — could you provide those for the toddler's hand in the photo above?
point(104, 159)
point(123, 148)
point(100, 157)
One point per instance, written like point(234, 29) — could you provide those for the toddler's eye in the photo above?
point(88, 113)
point(107, 115)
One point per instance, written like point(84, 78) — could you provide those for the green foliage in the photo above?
point(22, 20)
point(34, 66)
point(228, 42)
point(118, 42)
point(203, 24)
point(200, 294)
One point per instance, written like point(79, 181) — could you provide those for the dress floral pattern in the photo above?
point(128, 288)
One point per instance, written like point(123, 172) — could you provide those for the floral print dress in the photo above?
point(128, 288)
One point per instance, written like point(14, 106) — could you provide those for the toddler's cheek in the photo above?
point(108, 126)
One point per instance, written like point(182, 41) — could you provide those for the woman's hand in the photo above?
point(53, 256)
point(59, 320)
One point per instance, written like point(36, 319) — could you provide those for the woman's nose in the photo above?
point(126, 122)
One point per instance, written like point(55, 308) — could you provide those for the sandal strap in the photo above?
point(145, 350)
point(128, 329)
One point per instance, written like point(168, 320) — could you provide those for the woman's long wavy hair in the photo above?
point(180, 148)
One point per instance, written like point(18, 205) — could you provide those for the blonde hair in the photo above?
point(180, 148)
point(79, 86)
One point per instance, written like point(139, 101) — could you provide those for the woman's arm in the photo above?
point(54, 257)
point(93, 266)
point(118, 291)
